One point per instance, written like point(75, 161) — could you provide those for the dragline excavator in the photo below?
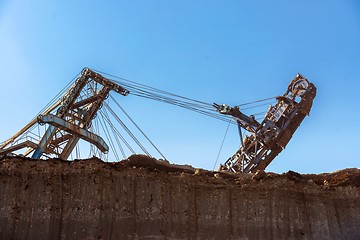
point(269, 137)
point(74, 117)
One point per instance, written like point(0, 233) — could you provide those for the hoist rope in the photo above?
point(107, 133)
point(127, 130)
point(142, 90)
point(257, 106)
point(261, 100)
point(152, 88)
point(137, 126)
point(222, 144)
point(118, 133)
point(116, 138)
point(59, 94)
point(119, 144)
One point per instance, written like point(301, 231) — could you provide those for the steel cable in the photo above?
point(137, 126)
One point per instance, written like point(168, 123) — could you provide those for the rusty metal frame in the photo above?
point(270, 137)
point(75, 131)
point(69, 119)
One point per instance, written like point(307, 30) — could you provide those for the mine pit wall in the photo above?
point(95, 200)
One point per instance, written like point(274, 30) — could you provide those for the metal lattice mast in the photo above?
point(69, 119)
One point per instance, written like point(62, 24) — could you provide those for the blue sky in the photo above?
point(215, 51)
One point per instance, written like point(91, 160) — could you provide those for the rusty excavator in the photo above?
point(269, 137)
point(81, 110)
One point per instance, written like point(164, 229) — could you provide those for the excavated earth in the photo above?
point(143, 198)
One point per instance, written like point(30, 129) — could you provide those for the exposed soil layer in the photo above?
point(143, 198)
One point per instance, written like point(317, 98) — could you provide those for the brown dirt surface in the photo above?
point(146, 198)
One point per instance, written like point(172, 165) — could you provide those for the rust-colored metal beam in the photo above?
point(16, 147)
point(270, 137)
point(75, 130)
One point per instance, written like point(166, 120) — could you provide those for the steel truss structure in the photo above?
point(68, 120)
point(269, 137)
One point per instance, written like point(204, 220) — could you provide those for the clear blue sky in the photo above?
point(215, 51)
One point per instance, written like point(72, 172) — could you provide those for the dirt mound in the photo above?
point(346, 177)
point(144, 161)
point(145, 198)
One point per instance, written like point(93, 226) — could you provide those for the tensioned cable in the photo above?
point(258, 114)
point(62, 91)
point(115, 152)
point(256, 106)
point(108, 137)
point(211, 113)
point(116, 135)
point(171, 100)
point(47, 106)
point(261, 100)
point(184, 105)
point(145, 91)
point(119, 143)
point(93, 129)
point(152, 88)
point(117, 131)
point(222, 144)
point(174, 96)
point(127, 130)
point(156, 96)
point(142, 132)
point(206, 104)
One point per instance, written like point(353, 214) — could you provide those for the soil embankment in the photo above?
point(141, 198)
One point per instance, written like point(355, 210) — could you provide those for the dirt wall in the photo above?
point(143, 199)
